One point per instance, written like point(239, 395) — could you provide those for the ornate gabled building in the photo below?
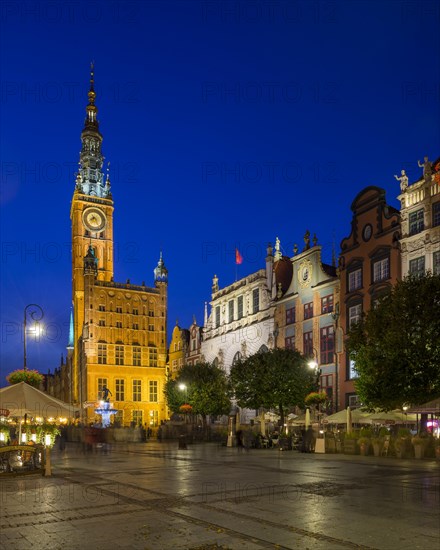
point(240, 322)
point(369, 266)
point(420, 221)
point(119, 329)
point(306, 297)
point(178, 349)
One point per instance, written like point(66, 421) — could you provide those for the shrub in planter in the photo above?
point(420, 443)
point(364, 445)
point(377, 443)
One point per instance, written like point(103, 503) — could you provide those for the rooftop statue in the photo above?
point(427, 169)
point(403, 181)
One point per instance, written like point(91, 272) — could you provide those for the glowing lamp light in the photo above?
point(51, 419)
point(2, 436)
point(312, 364)
point(34, 437)
point(23, 438)
point(47, 440)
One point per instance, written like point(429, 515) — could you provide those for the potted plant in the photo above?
point(377, 443)
point(364, 445)
point(31, 377)
point(419, 442)
point(350, 443)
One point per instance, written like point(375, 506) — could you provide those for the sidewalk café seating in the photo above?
point(20, 458)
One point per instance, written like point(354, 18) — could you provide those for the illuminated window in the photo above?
point(136, 356)
point(137, 418)
point(137, 384)
point(153, 391)
point(152, 356)
point(102, 354)
point(119, 355)
point(120, 389)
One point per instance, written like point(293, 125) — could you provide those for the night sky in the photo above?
point(226, 124)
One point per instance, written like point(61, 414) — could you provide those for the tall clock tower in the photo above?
point(91, 216)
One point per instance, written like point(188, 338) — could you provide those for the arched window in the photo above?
point(237, 357)
point(263, 349)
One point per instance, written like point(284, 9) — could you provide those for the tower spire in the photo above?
point(90, 178)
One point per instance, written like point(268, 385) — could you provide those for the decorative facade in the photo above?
point(119, 329)
point(369, 265)
point(306, 297)
point(240, 322)
point(420, 222)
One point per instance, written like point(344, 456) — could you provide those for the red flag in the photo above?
point(238, 257)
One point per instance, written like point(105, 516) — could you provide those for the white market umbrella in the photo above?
point(307, 418)
point(349, 420)
point(20, 399)
point(392, 417)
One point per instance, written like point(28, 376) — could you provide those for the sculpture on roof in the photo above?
point(403, 181)
point(427, 169)
point(307, 240)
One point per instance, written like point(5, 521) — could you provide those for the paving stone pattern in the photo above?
point(153, 496)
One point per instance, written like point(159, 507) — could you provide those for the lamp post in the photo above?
point(335, 316)
point(36, 314)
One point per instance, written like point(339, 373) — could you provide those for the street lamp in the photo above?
point(36, 314)
point(313, 364)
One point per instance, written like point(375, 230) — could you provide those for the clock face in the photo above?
point(367, 232)
point(94, 220)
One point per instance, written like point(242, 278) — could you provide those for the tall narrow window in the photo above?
point(137, 418)
point(239, 307)
point(289, 342)
point(416, 222)
point(290, 315)
point(355, 280)
point(308, 310)
point(436, 263)
point(102, 354)
point(217, 316)
point(308, 343)
point(119, 355)
point(137, 395)
point(417, 266)
point(153, 391)
point(436, 214)
point(381, 270)
point(120, 389)
point(327, 345)
point(152, 353)
point(136, 356)
point(231, 310)
point(354, 314)
point(255, 300)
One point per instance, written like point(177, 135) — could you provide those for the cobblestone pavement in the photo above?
point(153, 496)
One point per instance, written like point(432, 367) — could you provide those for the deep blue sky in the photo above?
point(310, 101)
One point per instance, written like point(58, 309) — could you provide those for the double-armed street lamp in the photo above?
point(36, 314)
